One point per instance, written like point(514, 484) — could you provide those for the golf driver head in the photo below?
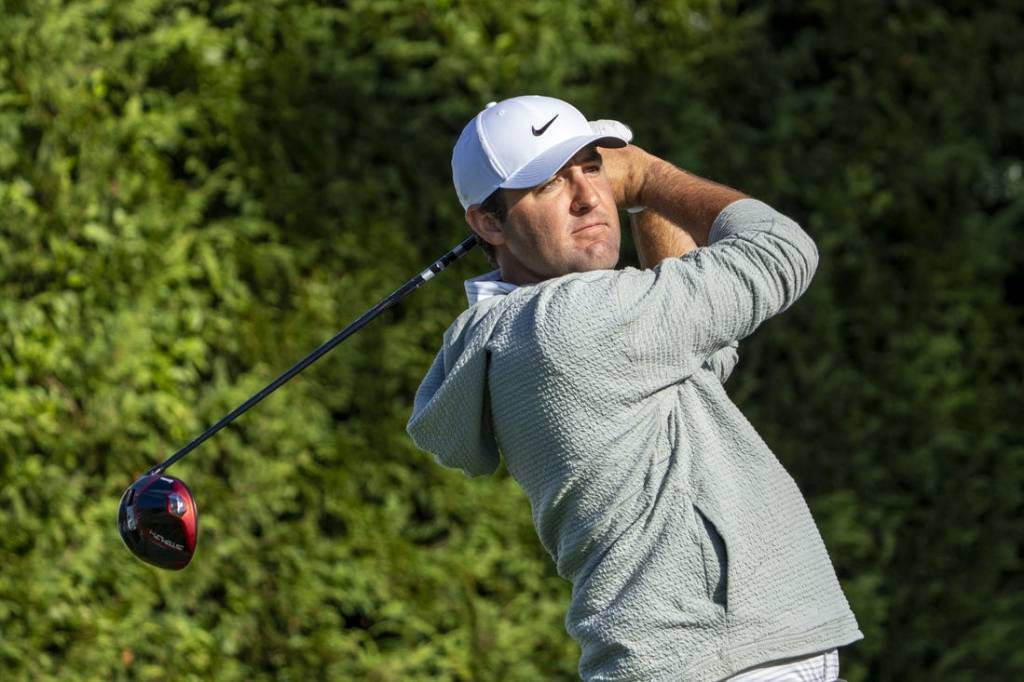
point(159, 522)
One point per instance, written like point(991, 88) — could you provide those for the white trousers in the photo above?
point(823, 667)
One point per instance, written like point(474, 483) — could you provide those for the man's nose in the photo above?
point(584, 193)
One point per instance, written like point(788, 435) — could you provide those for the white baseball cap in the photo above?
point(523, 141)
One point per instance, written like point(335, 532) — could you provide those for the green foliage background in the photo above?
point(193, 194)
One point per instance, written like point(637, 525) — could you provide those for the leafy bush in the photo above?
point(195, 194)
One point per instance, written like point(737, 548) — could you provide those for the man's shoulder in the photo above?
point(587, 292)
point(576, 304)
point(475, 319)
point(571, 310)
point(582, 285)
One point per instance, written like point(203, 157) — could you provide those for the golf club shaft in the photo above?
point(400, 293)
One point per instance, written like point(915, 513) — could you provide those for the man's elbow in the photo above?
point(800, 260)
point(810, 254)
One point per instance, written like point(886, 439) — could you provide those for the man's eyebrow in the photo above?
point(589, 155)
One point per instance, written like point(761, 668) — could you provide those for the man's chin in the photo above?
point(604, 259)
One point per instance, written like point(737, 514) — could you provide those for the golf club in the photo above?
point(158, 518)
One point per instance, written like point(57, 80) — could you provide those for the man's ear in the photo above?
point(485, 225)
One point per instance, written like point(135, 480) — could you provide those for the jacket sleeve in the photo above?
point(451, 413)
point(723, 361)
point(684, 311)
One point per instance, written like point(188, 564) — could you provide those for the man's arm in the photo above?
point(680, 202)
point(756, 263)
point(657, 239)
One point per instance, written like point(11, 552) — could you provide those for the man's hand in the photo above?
point(626, 168)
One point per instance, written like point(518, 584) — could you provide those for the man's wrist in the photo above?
point(639, 163)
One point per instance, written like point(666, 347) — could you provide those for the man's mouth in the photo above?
point(589, 226)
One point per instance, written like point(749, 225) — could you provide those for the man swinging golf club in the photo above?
point(691, 551)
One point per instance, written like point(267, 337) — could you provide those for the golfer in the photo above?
point(692, 554)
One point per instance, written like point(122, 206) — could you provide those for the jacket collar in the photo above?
point(487, 285)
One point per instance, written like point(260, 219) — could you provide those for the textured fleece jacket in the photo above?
point(691, 551)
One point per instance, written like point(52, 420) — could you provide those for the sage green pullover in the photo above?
point(691, 551)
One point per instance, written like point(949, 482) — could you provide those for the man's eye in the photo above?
point(594, 168)
point(549, 184)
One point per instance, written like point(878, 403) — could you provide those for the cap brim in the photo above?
point(551, 161)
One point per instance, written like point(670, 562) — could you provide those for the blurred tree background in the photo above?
point(194, 194)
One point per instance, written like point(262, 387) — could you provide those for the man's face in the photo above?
point(568, 224)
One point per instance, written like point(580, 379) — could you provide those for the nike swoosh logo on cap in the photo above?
point(538, 133)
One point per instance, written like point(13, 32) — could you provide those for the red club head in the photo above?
point(159, 521)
